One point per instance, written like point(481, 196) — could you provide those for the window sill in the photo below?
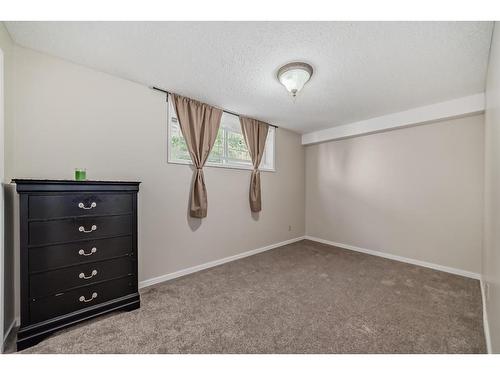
point(211, 165)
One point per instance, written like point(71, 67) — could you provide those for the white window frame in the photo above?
point(233, 165)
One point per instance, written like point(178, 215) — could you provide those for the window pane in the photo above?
point(217, 152)
point(178, 145)
point(237, 148)
point(267, 161)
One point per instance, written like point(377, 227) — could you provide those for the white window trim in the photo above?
point(212, 164)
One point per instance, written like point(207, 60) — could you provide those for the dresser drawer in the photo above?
point(56, 256)
point(66, 230)
point(77, 253)
point(47, 283)
point(49, 307)
point(80, 204)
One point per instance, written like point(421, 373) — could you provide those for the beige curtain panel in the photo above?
point(255, 134)
point(199, 124)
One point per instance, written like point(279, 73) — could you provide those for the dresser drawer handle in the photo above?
point(82, 275)
point(92, 205)
point(82, 298)
point(92, 228)
point(82, 252)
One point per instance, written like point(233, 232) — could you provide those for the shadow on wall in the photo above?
point(352, 190)
point(335, 162)
point(193, 222)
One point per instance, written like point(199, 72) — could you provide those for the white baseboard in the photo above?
point(9, 330)
point(485, 319)
point(187, 271)
point(416, 262)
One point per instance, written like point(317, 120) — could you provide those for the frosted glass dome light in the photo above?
point(294, 76)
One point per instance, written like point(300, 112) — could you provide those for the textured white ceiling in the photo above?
point(362, 69)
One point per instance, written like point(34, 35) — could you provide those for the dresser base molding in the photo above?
point(34, 334)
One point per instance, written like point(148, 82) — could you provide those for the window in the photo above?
point(230, 149)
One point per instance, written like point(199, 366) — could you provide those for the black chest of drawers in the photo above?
point(78, 253)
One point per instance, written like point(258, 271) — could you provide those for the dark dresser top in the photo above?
point(33, 185)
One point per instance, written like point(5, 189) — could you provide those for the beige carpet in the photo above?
point(301, 298)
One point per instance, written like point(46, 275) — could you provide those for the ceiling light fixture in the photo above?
point(294, 76)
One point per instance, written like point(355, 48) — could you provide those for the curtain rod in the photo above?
point(229, 112)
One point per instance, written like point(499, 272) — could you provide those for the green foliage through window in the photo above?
point(229, 148)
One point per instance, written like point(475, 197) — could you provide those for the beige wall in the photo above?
point(491, 254)
point(6, 117)
point(69, 116)
point(414, 192)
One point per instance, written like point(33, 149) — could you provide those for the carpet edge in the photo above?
point(416, 262)
point(214, 263)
